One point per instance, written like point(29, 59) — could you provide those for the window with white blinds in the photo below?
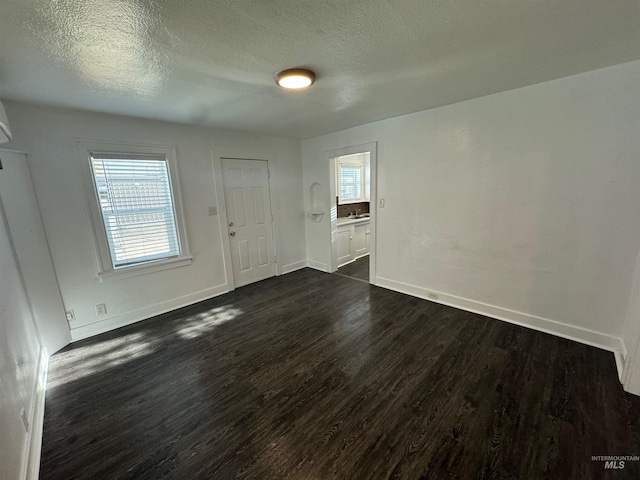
point(350, 180)
point(138, 212)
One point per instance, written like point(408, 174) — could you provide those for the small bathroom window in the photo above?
point(351, 183)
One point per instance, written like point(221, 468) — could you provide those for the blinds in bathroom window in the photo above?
point(350, 182)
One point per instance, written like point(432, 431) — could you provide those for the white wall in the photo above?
point(631, 336)
point(32, 251)
point(48, 134)
point(522, 205)
point(20, 352)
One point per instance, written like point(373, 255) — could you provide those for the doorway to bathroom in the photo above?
point(353, 212)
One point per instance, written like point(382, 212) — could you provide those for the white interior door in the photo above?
point(250, 229)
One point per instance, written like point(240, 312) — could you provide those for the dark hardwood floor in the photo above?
point(358, 269)
point(317, 376)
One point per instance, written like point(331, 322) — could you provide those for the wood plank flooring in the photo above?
point(317, 376)
point(358, 269)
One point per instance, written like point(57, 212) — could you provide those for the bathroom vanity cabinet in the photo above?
point(352, 239)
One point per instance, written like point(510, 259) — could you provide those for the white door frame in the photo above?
point(217, 154)
point(331, 156)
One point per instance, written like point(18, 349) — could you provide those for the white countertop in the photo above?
point(348, 221)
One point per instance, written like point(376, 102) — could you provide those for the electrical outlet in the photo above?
point(213, 211)
point(25, 420)
point(432, 296)
point(71, 316)
point(101, 309)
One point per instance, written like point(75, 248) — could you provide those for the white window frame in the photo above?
point(363, 196)
point(104, 263)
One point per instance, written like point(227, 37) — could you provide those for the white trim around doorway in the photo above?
point(330, 156)
point(217, 154)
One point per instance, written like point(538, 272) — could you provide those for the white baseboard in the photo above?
point(292, 267)
point(627, 362)
point(318, 266)
point(620, 363)
point(31, 468)
point(630, 378)
point(144, 313)
point(564, 330)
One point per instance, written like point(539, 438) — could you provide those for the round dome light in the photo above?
point(295, 78)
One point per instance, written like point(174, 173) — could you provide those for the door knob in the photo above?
point(231, 224)
point(232, 233)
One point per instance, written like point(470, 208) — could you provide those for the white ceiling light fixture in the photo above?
point(295, 78)
point(5, 132)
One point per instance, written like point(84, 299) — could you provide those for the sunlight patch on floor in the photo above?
point(93, 359)
point(204, 322)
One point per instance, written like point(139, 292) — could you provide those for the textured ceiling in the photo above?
point(212, 62)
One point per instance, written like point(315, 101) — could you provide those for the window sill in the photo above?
point(158, 266)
